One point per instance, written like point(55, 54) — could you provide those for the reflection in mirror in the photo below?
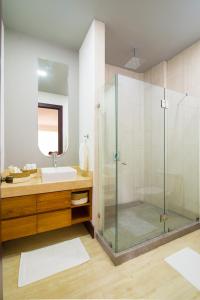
point(52, 107)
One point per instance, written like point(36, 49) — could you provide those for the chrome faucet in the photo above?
point(54, 156)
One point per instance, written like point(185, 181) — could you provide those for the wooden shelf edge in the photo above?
point(80, 220)
point(85, 204)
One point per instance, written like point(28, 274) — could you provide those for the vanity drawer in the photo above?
point(53, 201)
point(15, 228)
point(53, 220)
point(18, 206)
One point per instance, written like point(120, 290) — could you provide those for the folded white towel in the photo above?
point(83, 157)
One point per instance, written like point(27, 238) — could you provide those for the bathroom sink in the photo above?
point(58, 174)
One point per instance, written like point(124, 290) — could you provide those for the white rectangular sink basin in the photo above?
point(58, 174)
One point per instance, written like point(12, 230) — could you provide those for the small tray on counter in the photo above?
point(24, 176)
point(32, 172)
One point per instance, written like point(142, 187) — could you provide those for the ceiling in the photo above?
point(55, 81)
point(158, 29)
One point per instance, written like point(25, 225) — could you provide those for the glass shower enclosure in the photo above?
point(149, 162)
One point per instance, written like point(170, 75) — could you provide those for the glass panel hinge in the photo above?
point(164, 104)
point(163, 218)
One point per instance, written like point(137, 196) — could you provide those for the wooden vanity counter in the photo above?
point(36, 186)
point(33, 207)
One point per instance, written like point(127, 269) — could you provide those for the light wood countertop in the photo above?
point(36, 186)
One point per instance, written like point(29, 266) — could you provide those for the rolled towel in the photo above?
point(83, 157)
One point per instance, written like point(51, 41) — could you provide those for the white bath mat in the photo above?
point(187, 263)
point(44, 262)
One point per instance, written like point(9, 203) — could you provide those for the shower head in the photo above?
point(134, 63)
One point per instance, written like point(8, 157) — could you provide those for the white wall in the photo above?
point(2, 100)
point(21, 99)
point(87, 91)
point(56, 99)
point(91, 87)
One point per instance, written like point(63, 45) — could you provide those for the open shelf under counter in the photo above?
point(81, 214)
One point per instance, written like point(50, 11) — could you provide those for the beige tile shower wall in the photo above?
point(111, 71)
point(156, 75)
point(183, 71)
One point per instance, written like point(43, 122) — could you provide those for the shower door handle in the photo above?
point(124, 163)
point(116, 156)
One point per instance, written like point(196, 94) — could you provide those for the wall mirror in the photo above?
point(52, 107)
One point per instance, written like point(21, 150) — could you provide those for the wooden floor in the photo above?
point(144, 277)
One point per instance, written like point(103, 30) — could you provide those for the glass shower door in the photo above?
point(182, 160)
point(149, 162)
point(140, 167)
point(107, 165)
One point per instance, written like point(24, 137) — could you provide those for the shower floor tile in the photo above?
point(137, 223)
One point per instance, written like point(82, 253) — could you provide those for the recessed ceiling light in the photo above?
point(42, 73)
